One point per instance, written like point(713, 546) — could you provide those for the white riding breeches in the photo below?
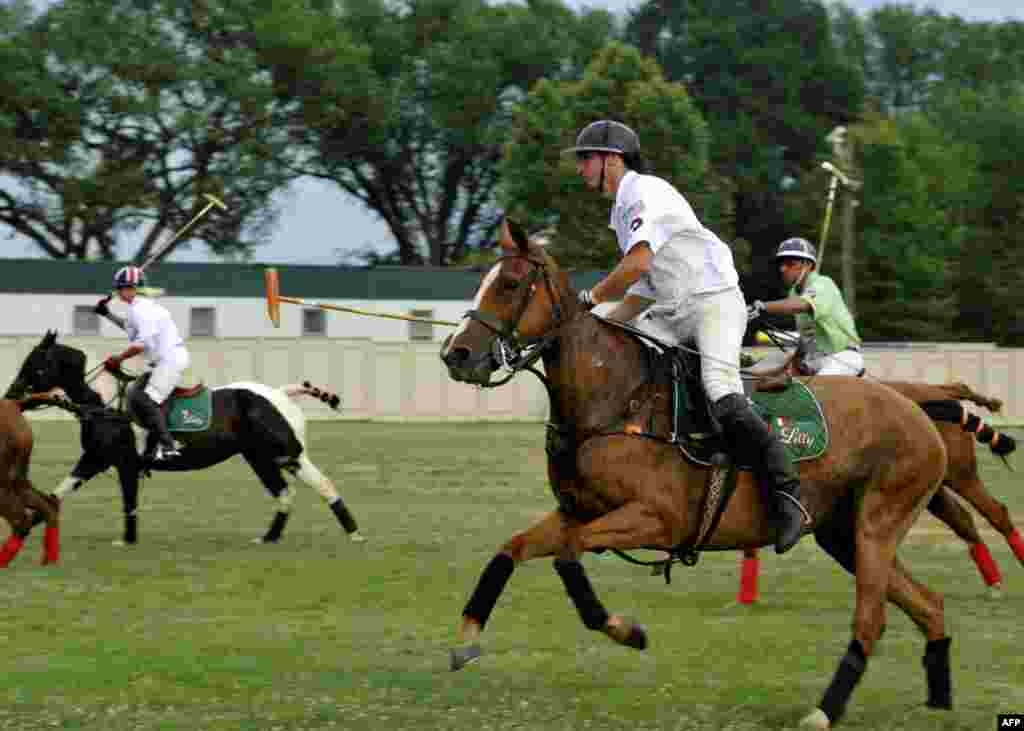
point(843, 363)
point(166, 374)
point(717, 322)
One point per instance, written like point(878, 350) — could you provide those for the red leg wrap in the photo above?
point(51, 544)
point(10, 550)
point(986, 565)
point(1017, 544)
point(748, 579)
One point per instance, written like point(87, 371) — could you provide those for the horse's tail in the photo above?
point(960, 391)
point(307, 389)
point(952, 411)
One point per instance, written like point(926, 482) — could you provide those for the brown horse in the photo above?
point(617, 490)
point(960, 430)
point(21, 505)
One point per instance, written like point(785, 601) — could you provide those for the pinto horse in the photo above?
point(619, 490)
point(960, 430)
point(21, 505)
point(259, 422)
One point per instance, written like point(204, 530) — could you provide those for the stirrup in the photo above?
point(163, 453)
point(807, 520)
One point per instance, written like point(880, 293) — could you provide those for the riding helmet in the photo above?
point(797, 248)
point(129, 276)
point(607, 135)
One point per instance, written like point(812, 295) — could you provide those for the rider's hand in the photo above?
point(101, 308)
point(755, 310)
point(112, 363)
point(586, 299)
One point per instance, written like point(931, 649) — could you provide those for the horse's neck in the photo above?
point(73, 379)
point(593, 370)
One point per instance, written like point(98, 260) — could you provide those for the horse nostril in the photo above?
point(456, 357)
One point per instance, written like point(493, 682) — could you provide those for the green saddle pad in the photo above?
point(191, 413)
point(795, 415)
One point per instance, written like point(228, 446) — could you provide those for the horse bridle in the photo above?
point(508, 349)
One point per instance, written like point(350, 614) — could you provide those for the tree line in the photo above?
point(117, 115)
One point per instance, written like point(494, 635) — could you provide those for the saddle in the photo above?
point(187, 409)
point(786, 405)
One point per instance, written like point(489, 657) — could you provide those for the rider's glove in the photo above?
point(101, 308)
point(755, 310)
point(586, 299)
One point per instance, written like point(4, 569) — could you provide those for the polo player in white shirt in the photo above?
point(680, 270)
point(152, 332)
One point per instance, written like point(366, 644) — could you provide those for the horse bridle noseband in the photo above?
point(509, 350)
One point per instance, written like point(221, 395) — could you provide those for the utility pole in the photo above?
point(842, 150)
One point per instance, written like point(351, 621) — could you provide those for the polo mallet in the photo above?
point(837, 177)
point(212, 201)
point(275, 298)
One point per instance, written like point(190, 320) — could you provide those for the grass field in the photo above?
point(196, 628)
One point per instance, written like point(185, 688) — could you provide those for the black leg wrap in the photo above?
point(592, 612)
point(848, 674)
point(489, 588)
point(936, 667)
point(972, 423)
point(1003, 444)
point(944, 410)
point(276, 527)
point(131, 528)
point(985, 434)
point(344, 517)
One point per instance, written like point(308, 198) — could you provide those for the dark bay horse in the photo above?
point(961, 430)
point(21, 505)
point(618, 490)
point(259, 422)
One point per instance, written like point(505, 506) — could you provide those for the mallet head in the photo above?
point(273, 286)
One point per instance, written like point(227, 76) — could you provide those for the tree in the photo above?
point(770, 84)
point(115, 118)
point(540, 185)
point(442, 79)
point(989, 125)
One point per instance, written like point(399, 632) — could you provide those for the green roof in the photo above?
point(58, 276)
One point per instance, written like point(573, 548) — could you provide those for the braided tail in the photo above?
point(954, 412)
point(307, 389)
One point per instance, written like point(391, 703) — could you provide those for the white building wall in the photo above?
point(236, 317)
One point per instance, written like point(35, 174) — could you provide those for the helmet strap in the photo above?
point(604, 165)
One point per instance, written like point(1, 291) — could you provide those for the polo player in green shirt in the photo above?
point(829, 344)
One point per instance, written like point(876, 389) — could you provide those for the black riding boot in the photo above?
point(152, 419)
point(750, 439)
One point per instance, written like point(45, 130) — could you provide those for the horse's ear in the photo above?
point(50, 337)
point(518, 234)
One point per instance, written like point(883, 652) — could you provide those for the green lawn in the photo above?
point(196, 628)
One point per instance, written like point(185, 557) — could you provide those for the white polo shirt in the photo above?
point(689, 259)
point(150, 325)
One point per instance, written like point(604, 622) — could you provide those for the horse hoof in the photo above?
point(463, 656)
point(817, 720)
point(637, 638)
point(121, 544)
point(995, 591)
point(357, 537)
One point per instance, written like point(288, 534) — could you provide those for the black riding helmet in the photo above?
point(609, 136)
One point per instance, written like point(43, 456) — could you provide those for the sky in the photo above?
point(318, 224)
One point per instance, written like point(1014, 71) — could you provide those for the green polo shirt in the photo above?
point(830, 327)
